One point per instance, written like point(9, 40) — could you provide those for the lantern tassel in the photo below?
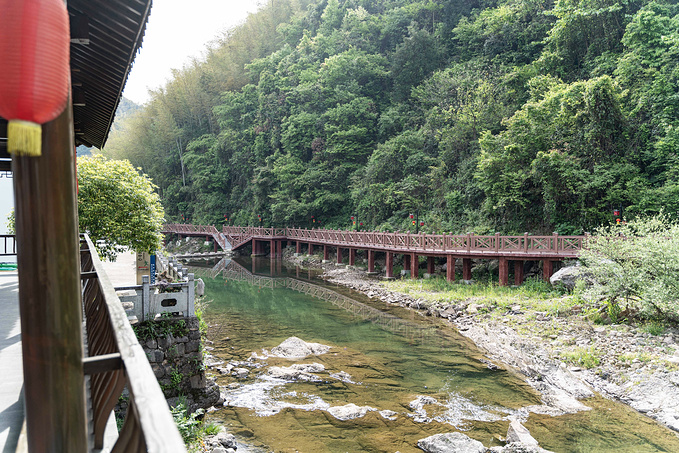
point(24, 138)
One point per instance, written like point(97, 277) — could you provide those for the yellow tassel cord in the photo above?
point(24, 138)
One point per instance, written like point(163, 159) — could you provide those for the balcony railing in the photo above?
point(115, 360)
point(8, 245)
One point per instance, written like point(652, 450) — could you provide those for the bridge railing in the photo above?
point(115, 360)
point(8, 245)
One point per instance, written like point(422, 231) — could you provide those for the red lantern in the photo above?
point(35, 77)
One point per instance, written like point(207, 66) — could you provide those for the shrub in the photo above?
point(635, 267)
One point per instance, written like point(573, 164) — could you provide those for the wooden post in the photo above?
point(389, 265)
point(311, 249)
point(326, 254)
point(450, 268)
point(518, 273)
point(414, 265)
point(406, 262)
point(430, 265)
point(50, 292)
point(504, 271)
point(547, 269)
point(298, 247)
point(466, 268)
point(339, 255)
point(352, 257)
point(371, 260)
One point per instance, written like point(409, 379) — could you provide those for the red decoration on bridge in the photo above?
point(35, 80)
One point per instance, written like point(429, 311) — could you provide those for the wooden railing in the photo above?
point(8, 245)
point(496, 244)
point(116, 359)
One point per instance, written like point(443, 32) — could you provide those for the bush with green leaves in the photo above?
point(635, 266)
point(10, 222)
point(118, 207)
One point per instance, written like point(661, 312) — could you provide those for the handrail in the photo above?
point(469, 243)
point(149, 426)
point(9, 245)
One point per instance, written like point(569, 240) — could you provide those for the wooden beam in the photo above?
point(50, 292)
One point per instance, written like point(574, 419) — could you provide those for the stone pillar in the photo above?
point(390, 265)
point(371, 261)
point(414, 265)
point(339, 255)
point(504, 271)
point(450, 268)
point(547, 269)
point(518, 273)
point(430, 265)
point(352, 257)
point(466, 268)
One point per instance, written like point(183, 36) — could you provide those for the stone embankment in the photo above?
point(621, 362)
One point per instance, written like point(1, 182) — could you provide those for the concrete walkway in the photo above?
point(122, 271)
point(11, 366)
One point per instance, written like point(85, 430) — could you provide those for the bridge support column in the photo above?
point(504, 272)
point(326, 254)
point(371, 261)
point(298, 247)
point(339, 255)
point(466, 268)
point(547, 269)
point(214, 244)
point(414, 265)
point(352, 257)
point(450, 268)
point(272, 248)
point(518, 273)
point(311, 249)
point(406, 262)
point(430, 265)
point(390, 265)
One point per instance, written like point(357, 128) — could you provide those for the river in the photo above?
point(383, 357)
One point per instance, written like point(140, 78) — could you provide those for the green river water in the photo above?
point(384, 357)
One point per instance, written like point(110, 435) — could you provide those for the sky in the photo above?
point(178, 30)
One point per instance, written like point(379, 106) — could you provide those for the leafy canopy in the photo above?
point(118, 207)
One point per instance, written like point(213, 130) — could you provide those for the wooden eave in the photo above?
point(99, 69)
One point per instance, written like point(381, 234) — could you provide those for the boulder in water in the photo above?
point(295, 348)
point(450, 443)
point(297, 372)
point(350, 411)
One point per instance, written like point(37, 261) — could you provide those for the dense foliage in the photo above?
point(633, 267)
point(484, 115)
point(118, 207)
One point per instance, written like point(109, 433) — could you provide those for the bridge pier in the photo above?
point(298, 247)
point(371, 261)
point(450, 268)
point(547, 269)
point(352, 257)
point(466, 268)
point(430, 265)
point(339, 255)
point(414, 265)
point(311, 249)
point(518, 272)
point(406, 262)
point(503, 278)
point(326, 253)
point(389, 265)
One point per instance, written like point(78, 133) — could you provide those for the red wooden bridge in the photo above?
point(548, 249)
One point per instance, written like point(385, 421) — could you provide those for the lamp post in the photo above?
point(617, 213)
point(259, 216)
point(415, 219)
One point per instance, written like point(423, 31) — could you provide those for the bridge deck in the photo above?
point(11, 390)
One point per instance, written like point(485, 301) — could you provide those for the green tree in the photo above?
point(118, 207)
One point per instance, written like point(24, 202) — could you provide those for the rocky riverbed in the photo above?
point(620, 361)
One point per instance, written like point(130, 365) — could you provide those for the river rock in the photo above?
point(350, 411)
point(518, 433)
point(295, 348)
point(389, 415)
point(450, 443)
point(297, 372)
point(200, 287)
point(569, 276)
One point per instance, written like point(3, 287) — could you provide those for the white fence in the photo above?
point(150, 301)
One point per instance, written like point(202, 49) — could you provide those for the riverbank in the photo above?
point(553, 343)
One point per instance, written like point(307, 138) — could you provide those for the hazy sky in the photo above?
point(178, 30)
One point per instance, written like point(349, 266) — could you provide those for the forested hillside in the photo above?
point(508, 116)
